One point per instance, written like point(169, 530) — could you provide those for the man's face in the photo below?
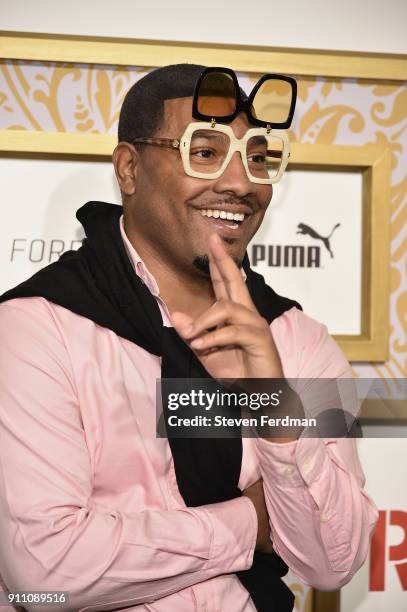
point(169, 209)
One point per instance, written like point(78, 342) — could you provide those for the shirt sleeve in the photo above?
point(51, 537)
point(321, 518)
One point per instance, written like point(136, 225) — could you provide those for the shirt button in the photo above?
point(289, 469)
point(307, 465)
point(325, 517)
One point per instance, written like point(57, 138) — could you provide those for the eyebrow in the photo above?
point(212, 135)
point(255, 140)
point(263, 141)
point(259, 140)
point(209, 135)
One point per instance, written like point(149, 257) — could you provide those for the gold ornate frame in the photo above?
point(372, 161)
point(243, 58)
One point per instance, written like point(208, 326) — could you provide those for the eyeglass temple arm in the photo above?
point(173, 143)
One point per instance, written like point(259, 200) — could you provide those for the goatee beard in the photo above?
point(201, 262)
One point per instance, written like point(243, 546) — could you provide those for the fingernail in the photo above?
point(196, 343)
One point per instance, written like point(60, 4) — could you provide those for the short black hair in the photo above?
point(143, 106)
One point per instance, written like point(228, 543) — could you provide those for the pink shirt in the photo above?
point(88, 496)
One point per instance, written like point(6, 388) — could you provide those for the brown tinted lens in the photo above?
point(272, 101)
point(207, 151)
point(264, 156)
point(217, 95)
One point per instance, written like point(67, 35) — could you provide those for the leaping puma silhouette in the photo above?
point(307, 230)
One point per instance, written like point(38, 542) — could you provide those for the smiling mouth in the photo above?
point(224, 219)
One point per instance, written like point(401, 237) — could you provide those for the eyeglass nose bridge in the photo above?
point(237, 145)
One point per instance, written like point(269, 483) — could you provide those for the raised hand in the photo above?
point(230, 339)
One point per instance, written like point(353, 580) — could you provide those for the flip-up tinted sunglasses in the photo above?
point(218, 97)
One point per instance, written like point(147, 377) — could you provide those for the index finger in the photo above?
point(218, 285)
point(224, 269)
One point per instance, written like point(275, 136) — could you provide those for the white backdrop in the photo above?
point(364, 25)
point(50, 194)
point(330, 292)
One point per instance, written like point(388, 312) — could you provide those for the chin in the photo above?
point(236, 250)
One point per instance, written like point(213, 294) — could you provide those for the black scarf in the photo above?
point(98, 282)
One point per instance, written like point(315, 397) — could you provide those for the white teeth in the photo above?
point(216, 214)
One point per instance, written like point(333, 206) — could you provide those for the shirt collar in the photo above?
point(138, 264)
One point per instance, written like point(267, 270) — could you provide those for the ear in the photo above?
point(125, 161)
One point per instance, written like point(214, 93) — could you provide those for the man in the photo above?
point(92, 502)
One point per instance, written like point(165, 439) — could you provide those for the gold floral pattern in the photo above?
point(63, 97)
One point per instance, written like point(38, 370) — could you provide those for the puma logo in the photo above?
point(307, 230)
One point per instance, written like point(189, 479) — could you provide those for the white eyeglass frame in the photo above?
point(183, 144)
point(236, 144)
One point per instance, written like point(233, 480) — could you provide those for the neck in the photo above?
point(184, 290)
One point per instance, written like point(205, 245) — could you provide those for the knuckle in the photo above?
point(225, 304)
point(238, 332)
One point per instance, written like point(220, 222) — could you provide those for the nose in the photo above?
point(234, 179)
